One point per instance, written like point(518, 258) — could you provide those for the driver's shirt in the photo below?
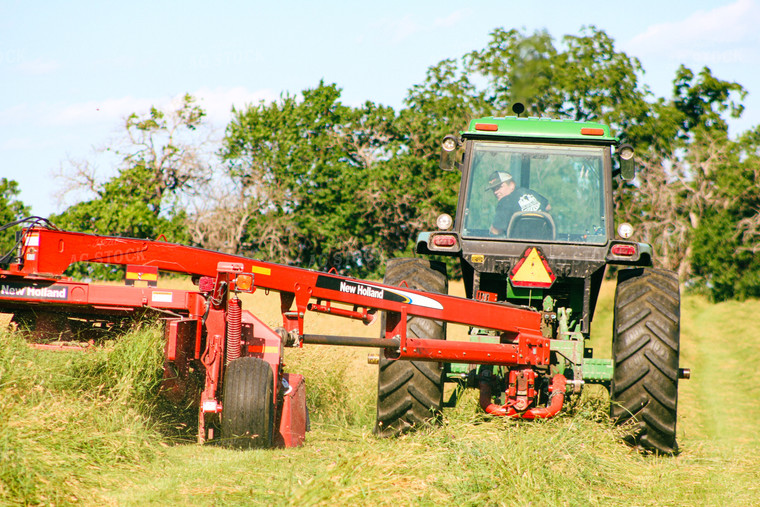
point(521, 199)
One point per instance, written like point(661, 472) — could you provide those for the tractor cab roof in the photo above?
point(539, 129)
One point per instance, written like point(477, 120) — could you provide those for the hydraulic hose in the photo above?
point(556, 401)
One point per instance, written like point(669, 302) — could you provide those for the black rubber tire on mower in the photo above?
point(248, 404)
point(410, 393)
point(645, 349)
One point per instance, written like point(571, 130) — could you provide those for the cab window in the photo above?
point(570, 178)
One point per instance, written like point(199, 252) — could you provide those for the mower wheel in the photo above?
point(410, 393)
point(248, 404)
point(645, 348)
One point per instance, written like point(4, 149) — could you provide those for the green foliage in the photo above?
point(127, 207)
point(11, 209)
point(332, 185)
point(727, 238)
point(584, 78)
point(302, 181)
point(308, 180)
point(702, 101)
point(725, 274)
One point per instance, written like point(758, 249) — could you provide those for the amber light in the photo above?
point(444, 240)
point(586, 131)
point(244, 282)
point(623, 250)
point(490, 127)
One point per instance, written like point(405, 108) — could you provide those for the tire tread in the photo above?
point(248, 405)
point(410, 393)
point(646, 352)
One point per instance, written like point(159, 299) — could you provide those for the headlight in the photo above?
point(444, 222)
point(626, 152)
point(625, 230)
point(449, 143)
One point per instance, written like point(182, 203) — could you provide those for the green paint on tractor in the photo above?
point(540, 128)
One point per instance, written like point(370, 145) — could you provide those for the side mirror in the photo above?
point(627, 167)
point(449, 151)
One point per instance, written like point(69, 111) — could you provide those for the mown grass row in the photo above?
point(575, 459)
point(90, 428)
point(71, 422)
point(69, 418)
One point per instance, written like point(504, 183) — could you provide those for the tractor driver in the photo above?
point(512, 200)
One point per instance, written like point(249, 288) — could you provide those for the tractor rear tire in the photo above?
point(645, 348)
point(410, 393)
point(248, 404)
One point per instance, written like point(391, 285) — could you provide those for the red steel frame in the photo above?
point(47, 253)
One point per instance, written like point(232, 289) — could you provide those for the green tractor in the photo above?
point(534, 228)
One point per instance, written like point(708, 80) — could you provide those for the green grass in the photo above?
point(69, 418)
point(88, 428)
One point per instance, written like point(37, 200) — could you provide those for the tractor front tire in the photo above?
point(645, 348)
point(410, 393)
point(248, 404)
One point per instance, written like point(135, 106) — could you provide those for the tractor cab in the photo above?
point(535, 192)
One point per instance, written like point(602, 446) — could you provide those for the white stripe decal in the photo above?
point(414, 299)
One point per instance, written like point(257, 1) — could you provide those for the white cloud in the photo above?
point(38, 67)
point(400, 29)
point(452, 19)
point(110, 112)
point(726, 34)
point(218, 102)
point(106, 111)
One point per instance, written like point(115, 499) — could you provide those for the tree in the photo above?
point(11, 209)
point(218, 214)
point(727, 237)
point(159, 161)
point(687, 164)
point(704, 99)
point(124, 206)
point(301, 164)
point(583, 79)
point(331, 185)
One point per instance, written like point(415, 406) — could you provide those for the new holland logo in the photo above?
point(376, 292)
point(15, 290)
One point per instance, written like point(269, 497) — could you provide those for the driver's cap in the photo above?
point(497, 178)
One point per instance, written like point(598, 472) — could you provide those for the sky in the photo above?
point(71, 72)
